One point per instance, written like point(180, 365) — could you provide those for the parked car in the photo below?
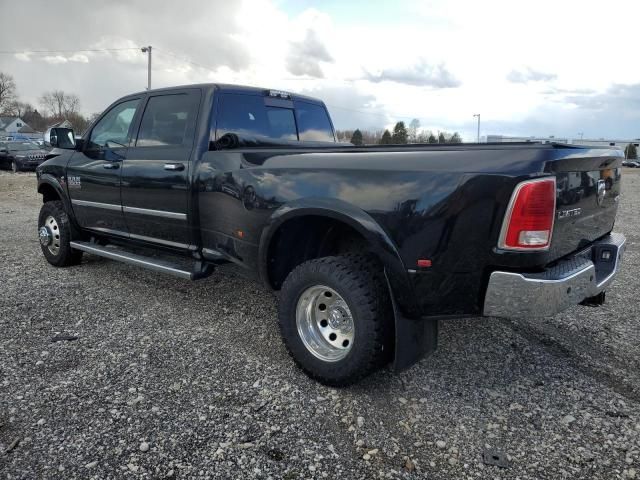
point(21, 155)
point(631, 164)
point(370, 247)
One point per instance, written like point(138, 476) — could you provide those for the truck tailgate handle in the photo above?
point(176, 167)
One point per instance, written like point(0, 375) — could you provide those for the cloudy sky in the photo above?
point(529, 67)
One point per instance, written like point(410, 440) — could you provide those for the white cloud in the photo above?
point(22, 57)
point(419, 74)
point(530, 75)
point(55, 59)
point(304, 57)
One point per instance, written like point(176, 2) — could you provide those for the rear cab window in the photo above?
point(251, 115)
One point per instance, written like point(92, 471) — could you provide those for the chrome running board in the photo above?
point(150, 263)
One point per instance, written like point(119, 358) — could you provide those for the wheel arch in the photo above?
point(351, 217)
point(51, 189)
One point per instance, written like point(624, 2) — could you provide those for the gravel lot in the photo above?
point(171, 379)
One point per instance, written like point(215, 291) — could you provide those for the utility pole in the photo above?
point(147, 50)
point(478, 115)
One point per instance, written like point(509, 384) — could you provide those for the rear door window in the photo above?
point(169, 120)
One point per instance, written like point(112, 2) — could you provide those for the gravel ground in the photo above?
point(170, 379)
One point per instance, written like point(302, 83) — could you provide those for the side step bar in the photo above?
point(150, 263)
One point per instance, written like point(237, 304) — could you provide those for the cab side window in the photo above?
point(113, 130)
point(169, 120)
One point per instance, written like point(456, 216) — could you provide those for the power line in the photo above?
point(37, 52)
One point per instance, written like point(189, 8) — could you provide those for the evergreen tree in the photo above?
point(432, 138)
point(386, 138)
point(455, 138)
point(631, 152)
point(441, 138)
point(400, 134)
point(356, 138)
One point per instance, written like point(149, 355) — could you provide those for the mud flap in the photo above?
point(415, 338)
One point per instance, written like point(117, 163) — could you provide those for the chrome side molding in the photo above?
point(136, 210)
point(155, 213)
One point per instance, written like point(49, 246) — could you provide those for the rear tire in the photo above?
point(56, 224)
point(335, 317)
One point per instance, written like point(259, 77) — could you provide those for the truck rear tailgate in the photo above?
point(586, 202)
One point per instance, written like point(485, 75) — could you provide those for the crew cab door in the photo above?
point(93, 175)
point(155, 175)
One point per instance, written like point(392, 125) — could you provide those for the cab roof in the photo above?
point(230, 88)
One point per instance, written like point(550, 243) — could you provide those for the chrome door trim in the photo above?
point(155, 213)
point(106, 206)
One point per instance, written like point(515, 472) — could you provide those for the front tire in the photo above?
point(55, 232)
point(336, 319)
point(15, 166)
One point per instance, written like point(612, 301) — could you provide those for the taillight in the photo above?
point(528, 223)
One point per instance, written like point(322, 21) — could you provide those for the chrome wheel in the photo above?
point(50, 235)
point(325, 323)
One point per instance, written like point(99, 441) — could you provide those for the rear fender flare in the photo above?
point(353, 216)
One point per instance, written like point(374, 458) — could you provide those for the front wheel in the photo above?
point(54, 231)
point(15, 166)
point(335, 318)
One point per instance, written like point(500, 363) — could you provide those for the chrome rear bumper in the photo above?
point(567, 283)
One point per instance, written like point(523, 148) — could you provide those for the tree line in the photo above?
point(55, 106)
point(401, 134)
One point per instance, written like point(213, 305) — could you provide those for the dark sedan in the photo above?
point(22, 155)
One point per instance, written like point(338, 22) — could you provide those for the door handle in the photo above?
point(175, 167)
point(111, 165)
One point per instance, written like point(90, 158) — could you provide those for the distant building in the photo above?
point(9, 125)
point(508, 139)
point(600, 142)
point(14, 128)
point(62, 124)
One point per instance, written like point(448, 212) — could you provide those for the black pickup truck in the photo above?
point(369, 247)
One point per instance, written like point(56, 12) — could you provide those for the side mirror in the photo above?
point(60, 138)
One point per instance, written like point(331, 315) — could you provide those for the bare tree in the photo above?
point(18, 109)
point(60, 104)
point(414, 126)
point(7, 91)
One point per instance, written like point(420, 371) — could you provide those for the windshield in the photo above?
point(22, 146)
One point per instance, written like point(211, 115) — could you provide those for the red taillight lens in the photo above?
point(528, 224)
